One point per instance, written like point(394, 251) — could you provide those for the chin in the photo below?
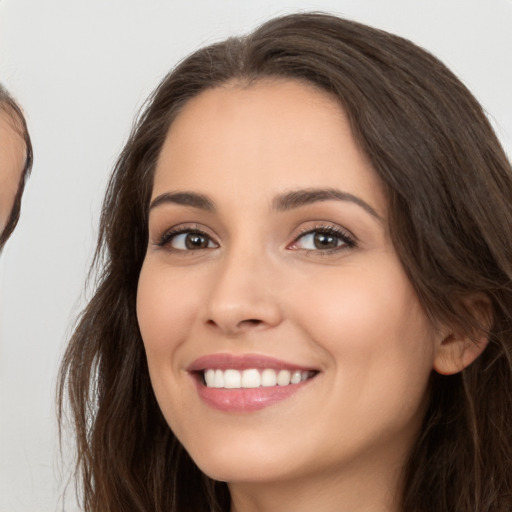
point(248, 462)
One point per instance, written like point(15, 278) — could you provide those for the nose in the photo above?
point(244, 295)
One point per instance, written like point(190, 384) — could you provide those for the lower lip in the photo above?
point(246, 399)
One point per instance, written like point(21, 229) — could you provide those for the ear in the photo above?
point(459, 347)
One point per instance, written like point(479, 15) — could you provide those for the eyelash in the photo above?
point(168, 236)
point(347, 240)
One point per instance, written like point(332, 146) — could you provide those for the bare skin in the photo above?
point(12, 157)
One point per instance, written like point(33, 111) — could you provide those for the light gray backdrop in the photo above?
point(81, 69)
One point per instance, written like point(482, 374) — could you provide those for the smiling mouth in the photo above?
point(246, 383)
point(253, 378)
point(237, 384)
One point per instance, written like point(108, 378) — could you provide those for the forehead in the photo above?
point(277, 134)
point(12, 146)
point(10, 132)
point(265, 109)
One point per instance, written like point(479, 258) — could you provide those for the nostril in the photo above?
point(252, 321)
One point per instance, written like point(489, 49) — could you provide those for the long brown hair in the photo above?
point(13, 111)
point(449, 188)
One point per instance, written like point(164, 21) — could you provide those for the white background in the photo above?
point(81, 69)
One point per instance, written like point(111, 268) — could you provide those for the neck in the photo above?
point(374, 489)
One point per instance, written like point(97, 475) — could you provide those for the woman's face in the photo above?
point(12, 155)
point(270, 274)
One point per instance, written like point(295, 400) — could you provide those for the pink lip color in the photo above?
point(243, 400)
point(242, 362)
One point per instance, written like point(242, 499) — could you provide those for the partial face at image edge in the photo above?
point(12, 162)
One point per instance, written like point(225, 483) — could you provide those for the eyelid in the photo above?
point(163, 240)
point(347, 238)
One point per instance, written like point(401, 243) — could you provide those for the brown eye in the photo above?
point(187, 240)
point(196, 241)
point(325, 241)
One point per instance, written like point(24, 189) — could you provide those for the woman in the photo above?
point(304, 298)
point(15, 163)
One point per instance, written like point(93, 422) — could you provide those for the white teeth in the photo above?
point(219, 379)
point(209, 378)
point(268, 378)
point(232, 379)
point(283, 378)
point(296, 377)
point(253, 378)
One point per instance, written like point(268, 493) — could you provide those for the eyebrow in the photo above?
point(192, 199)
point(283, 202)
point(303, 197)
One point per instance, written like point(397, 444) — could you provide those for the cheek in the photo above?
point(166, 310)
point(373, 328)
point(380, 345)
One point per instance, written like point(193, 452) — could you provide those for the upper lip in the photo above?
point(225, 361)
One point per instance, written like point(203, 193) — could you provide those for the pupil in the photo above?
point(325, 241)
point(196, 241)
